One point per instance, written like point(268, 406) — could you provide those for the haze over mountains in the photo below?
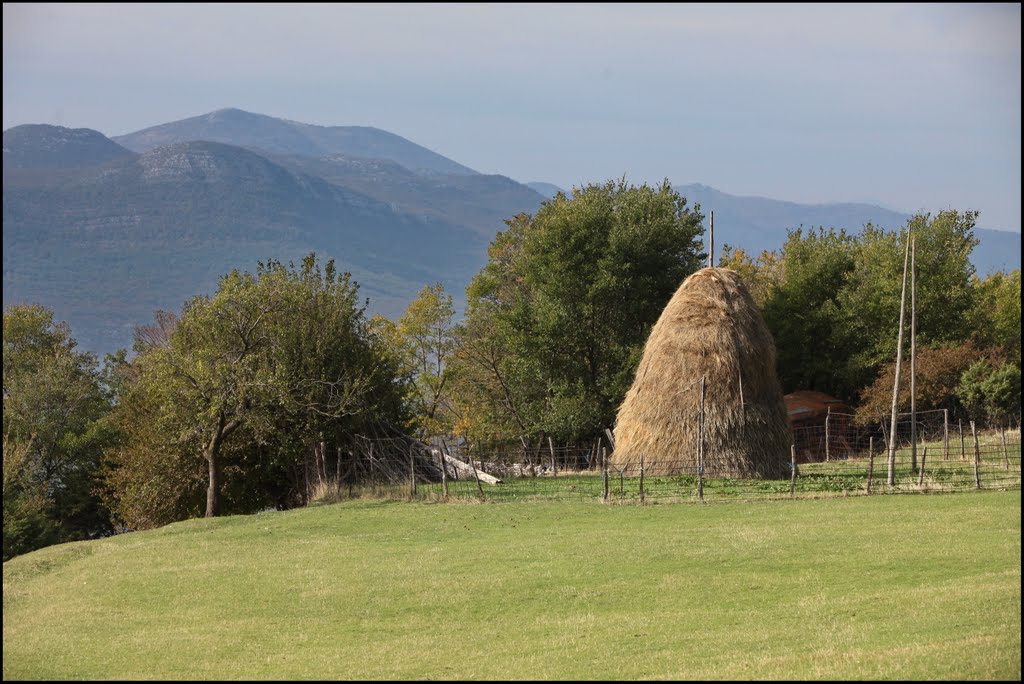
point(105, 231)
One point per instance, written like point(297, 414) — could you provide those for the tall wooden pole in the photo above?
point(899, 362)
point(711, 241)
point(700, 444)
point(913, 356)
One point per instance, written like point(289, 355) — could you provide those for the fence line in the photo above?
point(856, 464)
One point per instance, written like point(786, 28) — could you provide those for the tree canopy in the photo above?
point(54, 433)
point(249, 381)
point(558, 317)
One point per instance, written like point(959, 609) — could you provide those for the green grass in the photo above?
point(887, 587)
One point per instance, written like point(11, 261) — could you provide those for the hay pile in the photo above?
point(712, 328)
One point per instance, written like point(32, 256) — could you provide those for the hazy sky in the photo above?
point(916, 107)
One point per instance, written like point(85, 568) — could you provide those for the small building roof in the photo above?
point(809, 403)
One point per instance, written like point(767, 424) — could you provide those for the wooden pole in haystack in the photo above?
point(711, 241)
point(899, 362)
point(700, 443)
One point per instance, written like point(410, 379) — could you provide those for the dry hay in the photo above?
point(711, 328)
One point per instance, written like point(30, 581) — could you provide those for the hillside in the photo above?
point(573, 590)
point(42, 147)
point(279, 136)
point(112, 243)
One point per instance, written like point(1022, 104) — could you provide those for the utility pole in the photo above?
point(913, 356)
point(891, 480)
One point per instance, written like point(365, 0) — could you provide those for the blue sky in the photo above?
point(915, 107)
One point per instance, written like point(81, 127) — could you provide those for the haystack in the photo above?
point(711, 328)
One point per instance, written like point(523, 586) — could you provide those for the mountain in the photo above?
point(106, 231)
point(549, 190)
point(758, 223)
point(279, 136)
point(109, 244)
point(479, 202)
point(36, 147)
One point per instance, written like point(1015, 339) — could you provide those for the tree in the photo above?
point(991, 391)
point(558, 317)
point(801, 310)
point(835, 312)
point(28, 518)
point(761, 276)
point(250, 380)
point(867, 310)
point(54, 432)
point(424, 340)
point(939, 370)
point(996, 315)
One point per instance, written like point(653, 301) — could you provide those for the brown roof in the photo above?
point(808, 403)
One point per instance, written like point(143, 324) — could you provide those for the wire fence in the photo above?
point(843, 456)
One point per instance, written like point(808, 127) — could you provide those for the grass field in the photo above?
point(887, 587)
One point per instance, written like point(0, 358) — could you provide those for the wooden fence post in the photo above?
point(792, 470)
point(444, 473)
point(871, 461)
point(963, 450)
point(479, 487)
point(554, 466)
point(920, 475)
point(1006, 456)
point(828, 419)
point(412, 471)
point(321, 473)
point(977, 458)
point(351, 472)
point(945, 434)
point(604, 457)
point(641, 479)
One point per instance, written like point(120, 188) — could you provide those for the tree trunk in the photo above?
point(212, 455)
point(213, 490)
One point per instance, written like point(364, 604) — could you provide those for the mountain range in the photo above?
point(107, 230)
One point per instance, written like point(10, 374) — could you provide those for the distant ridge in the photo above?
point(43, 147)
point(759, 223)
point(549, 190)
point(106, 233)
point(281, 136)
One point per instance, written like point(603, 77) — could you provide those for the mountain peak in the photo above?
point(42, 146)
point(234, 126)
